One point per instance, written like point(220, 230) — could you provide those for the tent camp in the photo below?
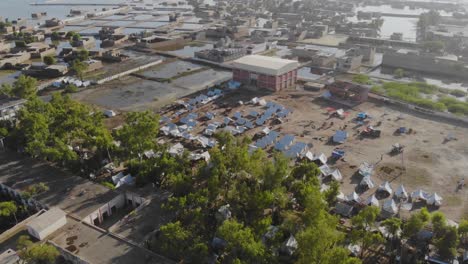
point(385, 187)
point(418, 195)
point(401, 192)
point(366, 169)
point(367, 182)
point(353, 197)
point(372, 201)
point(390, 206)
point(340, 136)
point(434, 199)
point(320, 158)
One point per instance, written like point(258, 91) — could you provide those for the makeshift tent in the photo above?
point(385, 187)
point(121, 179)
point(336, 175)
point(338, 153)
point(290, 245)
point(325, 170)
point(390, 206)
point(353, 197)
point(418, 195)
point(362, 115)
point(366, 169)
point(176, 150)
point(343, 209)
point(367, 182)
point(434, 199)
point(372, 201)
point(401, 192)
point(320, 158)
point(284, 142)
point(341, 196)
point(340, 136)
point(309, 155)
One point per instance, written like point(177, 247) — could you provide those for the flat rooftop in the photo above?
point(265, 64)
point(72, 194)
point(96, 246)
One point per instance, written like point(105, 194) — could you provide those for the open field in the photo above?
point(428, 162)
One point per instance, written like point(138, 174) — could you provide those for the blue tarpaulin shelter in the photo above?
point(340, 136)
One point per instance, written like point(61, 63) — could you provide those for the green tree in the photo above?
point(83, 55)
point(393, 226)
point(241, 243)
point(399, 73)
point(49, 60)
point(433, 46)
point(71, 88)
point(366, 217)
point(416, 222)
point(362, 79)
point(24, 87)
point(8, 209)
point(332, 193)
point(138, 134)
point(55, 35)
point(366, 239)
point(79, 68)
point(31, 252)
point(173, 240)
point(463, 229)
point(446, 242)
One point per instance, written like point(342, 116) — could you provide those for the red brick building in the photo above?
point(266, 72)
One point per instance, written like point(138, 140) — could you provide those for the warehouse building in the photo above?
point(265, 72)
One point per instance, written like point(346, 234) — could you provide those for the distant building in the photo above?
point(9, 106)
point(266, 72)
point(348, 91)
point(350, 62)
point(220, 55)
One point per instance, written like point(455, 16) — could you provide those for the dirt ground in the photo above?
point(428, 163)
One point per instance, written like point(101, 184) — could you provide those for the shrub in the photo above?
point(108, 185)
point(458, 93)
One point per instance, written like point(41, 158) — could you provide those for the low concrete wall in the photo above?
point(116, 76)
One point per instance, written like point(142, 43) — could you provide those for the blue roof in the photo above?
point(284, 142)
point(340, 136)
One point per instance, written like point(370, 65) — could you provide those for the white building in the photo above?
point(47, 223)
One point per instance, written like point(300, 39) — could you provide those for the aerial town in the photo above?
point(242, 131)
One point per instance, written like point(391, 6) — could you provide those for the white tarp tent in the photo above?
point(176, 150)
point(390, 206)
point(353, 197)
point(434, 199)
point(366, 169)
point(372, 201)
point(367, 182)
point(401, 192)
point(321, 157)
point(385, 187)
point(418, 195)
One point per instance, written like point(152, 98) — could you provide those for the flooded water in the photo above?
point(404, 25)
point(438, 82)
point(14, 9)
point(189, 51)
point(391, 10)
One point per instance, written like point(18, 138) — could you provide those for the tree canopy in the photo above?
point(269, 202)
point(31, 252)
point(55, 130)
